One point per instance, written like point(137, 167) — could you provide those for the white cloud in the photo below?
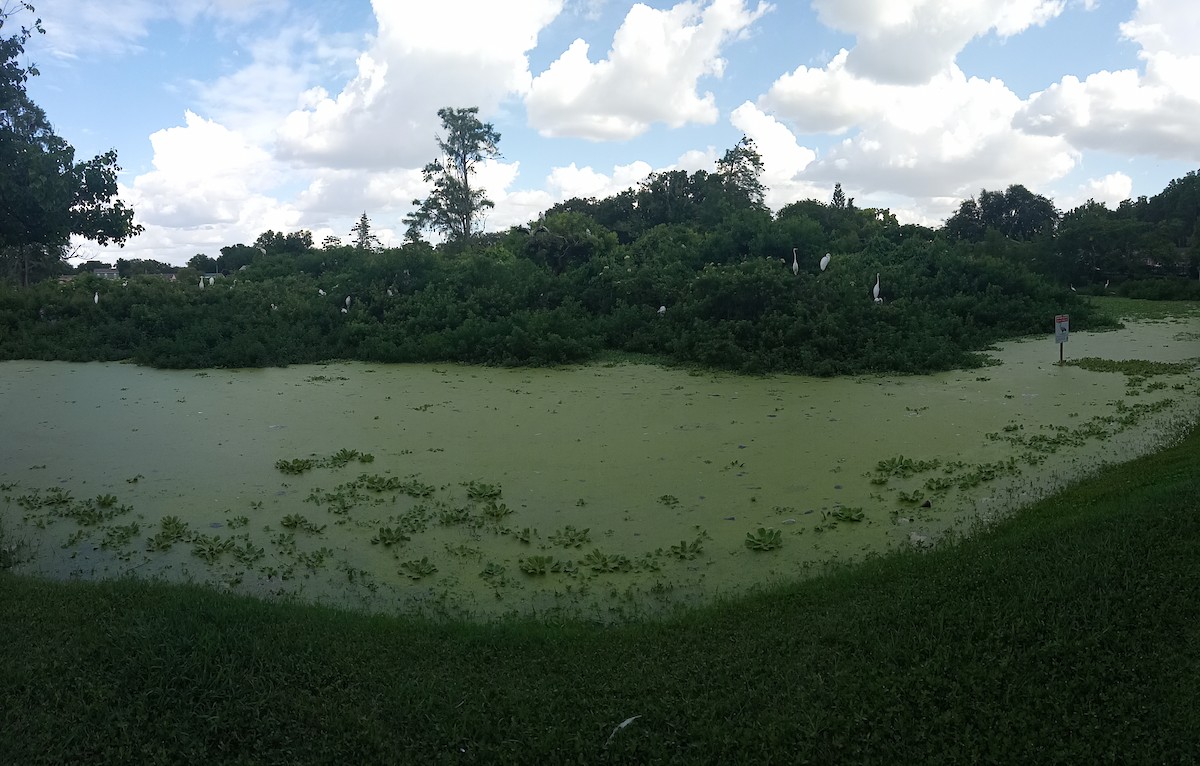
point(651, 74)
point(945, 137)
point(910, 41)
point(1156, 112)
point(784, 159)
point(1110, 190)
point(425, 56)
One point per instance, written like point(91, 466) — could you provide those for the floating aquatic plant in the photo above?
point(570, 537)
point(669, 500)
point(848, 514)
point(535, 565)
point(297, 521)
point(210, 547)
point(601, 563)
point(417, 569)
point(389, 536)
point(686, 551)
point(765, 539)
point(172, 530)
point(480, 492)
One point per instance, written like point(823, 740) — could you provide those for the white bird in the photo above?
point(662, 310)
point(347, 301)
point(201, 283)
point(320, 292)
point(96, 297)
point(1106, 284)
point(876, 289)
point(795, 262)
point(390, 293)
point(211, 280)
point(825, 262)
point(274, 307)
point(345, 311)
point(1073, 289)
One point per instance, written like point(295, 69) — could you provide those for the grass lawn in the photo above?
point(1069, 634)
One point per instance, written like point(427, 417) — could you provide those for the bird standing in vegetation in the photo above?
point(662, 311)
point(795, 262)
point(825, 261)
point(201, 283)
point(875, 290)
point(96, 297)
point(347, 301)
point(320, 292)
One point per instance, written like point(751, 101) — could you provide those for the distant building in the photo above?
point(106, 273)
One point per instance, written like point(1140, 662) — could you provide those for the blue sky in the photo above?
point(232, 117)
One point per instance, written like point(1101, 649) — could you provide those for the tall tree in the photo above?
point(839, 196)
point(363, 237)
point(740, 169)
point(45, 195)
point(453, 207)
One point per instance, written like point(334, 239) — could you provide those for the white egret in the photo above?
point(212, 280)
point(390, 293)
point(1106, 284)
point(96, 297)
point(320, 292)
point(345, 311)
point(1073, 289)
point(201, 283)
point(795, 262)
point(662, 310)
point(875, 290)
point(825, 261)
point(347, 301)
point(274, 307)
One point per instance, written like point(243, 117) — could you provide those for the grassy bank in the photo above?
point(1070, 634)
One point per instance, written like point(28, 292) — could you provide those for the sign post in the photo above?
point(1062, 326)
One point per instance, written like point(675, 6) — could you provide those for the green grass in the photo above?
point(1133, 308)
point(1068, 634)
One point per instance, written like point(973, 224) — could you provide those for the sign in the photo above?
point(1062, 325)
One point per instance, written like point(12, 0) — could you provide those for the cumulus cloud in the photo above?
point(424, 56)
point(651, 74)
point(944, 137)
point(1110, 190)
point(910, 41)
point(784, 159)
point(1155, 112)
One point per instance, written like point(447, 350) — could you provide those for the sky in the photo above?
point(232, 117)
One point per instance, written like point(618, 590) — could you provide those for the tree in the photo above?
point(1017, 213)
point(740, 169)
point(363, 237)
point(45, 195)
point(202, 263)
point(454, 206)
point(839, 196)
point(276, 242)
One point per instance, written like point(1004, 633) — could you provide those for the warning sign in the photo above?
point(1062, 325)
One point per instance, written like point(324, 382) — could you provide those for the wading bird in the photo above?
point(96, 297)
point(347, 301)
point(662, 311)
point(212, 280)
point(795, 262)
point(320, 292)
point(875, 290)
point(825, 262)
point(201, 283)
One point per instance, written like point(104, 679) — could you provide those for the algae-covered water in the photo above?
point(605, 491)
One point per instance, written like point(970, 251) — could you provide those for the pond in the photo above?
point(605, 491)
